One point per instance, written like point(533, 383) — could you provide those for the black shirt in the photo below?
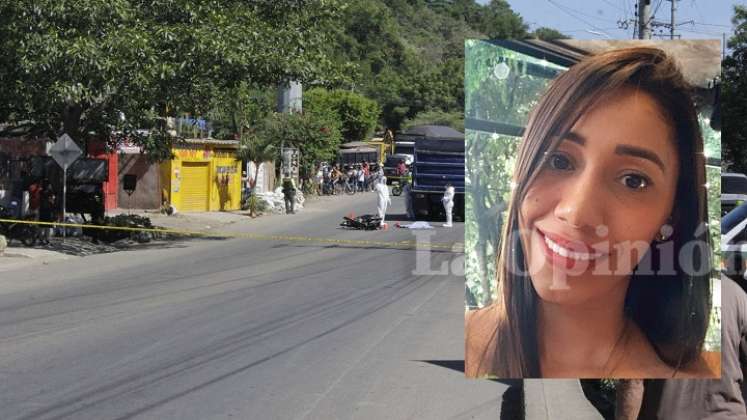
point(712, 399)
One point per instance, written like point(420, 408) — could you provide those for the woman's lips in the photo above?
point(567, 253)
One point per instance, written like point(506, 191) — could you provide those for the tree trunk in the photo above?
point(71, 121)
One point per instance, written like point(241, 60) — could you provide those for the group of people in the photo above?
point(363, 176)
point(43, 206)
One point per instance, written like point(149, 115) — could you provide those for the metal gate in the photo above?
point(195, 186)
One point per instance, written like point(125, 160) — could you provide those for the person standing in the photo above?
point(384, 200)
point(448, 202)
point(35, 196)
point(47, 207)
point(289, 194)
point(319, 181)
point(361, 179)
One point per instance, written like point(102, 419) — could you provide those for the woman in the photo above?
point(609, 194)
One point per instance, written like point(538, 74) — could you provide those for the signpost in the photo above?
point(65, 152)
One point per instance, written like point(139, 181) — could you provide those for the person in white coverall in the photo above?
point(384, 200)
point(448, 202)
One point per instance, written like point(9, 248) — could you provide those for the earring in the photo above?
point(665, 232)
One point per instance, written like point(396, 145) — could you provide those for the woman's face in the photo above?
point(593, 210)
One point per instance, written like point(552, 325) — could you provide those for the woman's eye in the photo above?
point(635, 182)
point(560, 162)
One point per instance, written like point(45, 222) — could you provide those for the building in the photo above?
point(204, 175)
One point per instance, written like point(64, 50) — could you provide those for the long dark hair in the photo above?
point(672, 310)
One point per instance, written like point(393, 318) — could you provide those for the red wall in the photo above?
point(97, 150)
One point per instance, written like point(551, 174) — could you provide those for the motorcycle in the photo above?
point(364, 222)
point(26, 233)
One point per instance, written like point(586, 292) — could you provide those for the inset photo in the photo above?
point(592, 209)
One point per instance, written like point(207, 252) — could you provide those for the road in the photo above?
point(244, 329)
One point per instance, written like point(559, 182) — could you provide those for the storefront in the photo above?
point(203, 176)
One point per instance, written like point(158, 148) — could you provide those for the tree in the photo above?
point(548, 34)
point(454, 120)
point(238, 110)
point(734, 97)
point(356, 113)
point(498, 21)
point(258, 150)
point(102, 66)
point(317, 138)
point(411, 53)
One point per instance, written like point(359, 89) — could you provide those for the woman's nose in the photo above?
point(581, 203)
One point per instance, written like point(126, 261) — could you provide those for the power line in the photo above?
point(697, 9)
point(584, 30)
point(713, 24)
point(656, 9)
point(653, 15)
point(576, 17)
point(614, 5)
point(570, 9)
point(701, 32)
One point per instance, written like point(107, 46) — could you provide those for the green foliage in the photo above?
point(257, 149)
point(454, 120)
point(733, 98)
point(235, 110)
point(316, 137)
point(411, 54)
point(78, 67)
point(256, 206)
point(548, 34)
point(356, 113)
point(490, 159)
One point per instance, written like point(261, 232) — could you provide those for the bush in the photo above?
point(316, 136)
point(356, 114)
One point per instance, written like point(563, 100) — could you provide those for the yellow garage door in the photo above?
point(195, 186)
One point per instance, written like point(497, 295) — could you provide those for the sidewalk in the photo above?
point(220, 221)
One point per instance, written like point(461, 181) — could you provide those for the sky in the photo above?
point(598, 19)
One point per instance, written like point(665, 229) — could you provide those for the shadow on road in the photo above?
point(512, 405)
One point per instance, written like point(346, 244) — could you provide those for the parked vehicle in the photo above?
point(26, 233)
point(733, 240)
point(391, 165)
point(439, 160)
point(733, 191)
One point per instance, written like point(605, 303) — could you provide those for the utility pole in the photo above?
point(644, 19)
point(671, 29)
point(723, 45)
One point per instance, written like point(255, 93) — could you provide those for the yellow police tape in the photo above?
point(454, 247)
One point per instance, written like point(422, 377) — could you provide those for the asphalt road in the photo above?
point(245, 329)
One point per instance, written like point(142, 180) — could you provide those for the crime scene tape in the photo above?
point(456, 247)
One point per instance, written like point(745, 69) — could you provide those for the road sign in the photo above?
point(65, 151)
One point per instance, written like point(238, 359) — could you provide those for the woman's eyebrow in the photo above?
point(622, 149)
point(625, 149)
